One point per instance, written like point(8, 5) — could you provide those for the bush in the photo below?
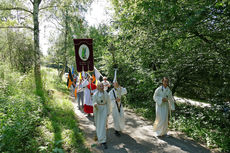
point(209, 125)
point(20, 111)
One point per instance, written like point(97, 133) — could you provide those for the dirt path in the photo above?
point(137, 137)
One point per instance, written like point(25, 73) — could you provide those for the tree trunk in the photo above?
point(37, 62)
point(65, 46)
point(9, 42)
point(63, 69)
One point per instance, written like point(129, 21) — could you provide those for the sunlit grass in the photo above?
point(61, 121)
point(29, 123)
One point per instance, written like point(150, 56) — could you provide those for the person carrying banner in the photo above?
point(90, 89)
point(117, 107)
point(101, 110)
point(164, 104)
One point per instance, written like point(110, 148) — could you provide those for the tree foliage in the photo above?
point(70, 23)
point(185, 40)
point(17, 49)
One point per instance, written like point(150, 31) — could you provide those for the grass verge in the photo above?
point(31, 124)
point(59, 128)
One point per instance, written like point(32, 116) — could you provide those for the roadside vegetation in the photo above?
point(33, 124)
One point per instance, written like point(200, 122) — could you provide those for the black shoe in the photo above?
point(117, 133)
point(104, 145)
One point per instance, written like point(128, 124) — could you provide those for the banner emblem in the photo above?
point(84, 54)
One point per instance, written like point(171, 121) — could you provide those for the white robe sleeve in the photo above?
point(85, 83)
point(94, 91)
point(109, 108)
point(123, 91)
point(157, 97)
point(111, 95)
point(95, 97)
point(112, 99)
point(171, 100)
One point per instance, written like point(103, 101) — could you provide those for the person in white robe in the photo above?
point(117, 107)
point(164, 104)
point(89, 90)
point(101, 109)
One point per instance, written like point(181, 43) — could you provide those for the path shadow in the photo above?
point(184, 144)
point(143, 128)
point(134, 121)
point(138, 138)
point(125, 143)
point(91, 118)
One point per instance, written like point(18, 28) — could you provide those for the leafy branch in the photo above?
point(17, 27)
point(15, 8)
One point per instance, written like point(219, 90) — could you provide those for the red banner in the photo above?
point(84, 54)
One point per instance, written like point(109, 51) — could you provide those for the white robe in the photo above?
point(100, 114)
point(160, 126)
point(87, 96)
point(118, 117)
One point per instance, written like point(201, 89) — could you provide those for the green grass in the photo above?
point(29, 123)
point(20, 111)
point(60, 126)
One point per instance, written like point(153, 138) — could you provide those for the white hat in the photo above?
point(115, 76)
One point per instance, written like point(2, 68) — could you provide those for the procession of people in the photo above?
point(101, 100)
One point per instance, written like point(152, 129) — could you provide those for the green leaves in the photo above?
point(206, 124)
point(58, 150)
point(174, 39)
point(17, 50)
point(20, 115)
point(184, 40)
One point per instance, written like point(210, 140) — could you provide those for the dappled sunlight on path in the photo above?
point(137, 137)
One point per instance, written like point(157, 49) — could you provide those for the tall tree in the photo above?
point(37, 64)
point(37, 6)
point(24, 7)
point(70, 23)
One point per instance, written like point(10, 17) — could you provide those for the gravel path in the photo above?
point(137, 137)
